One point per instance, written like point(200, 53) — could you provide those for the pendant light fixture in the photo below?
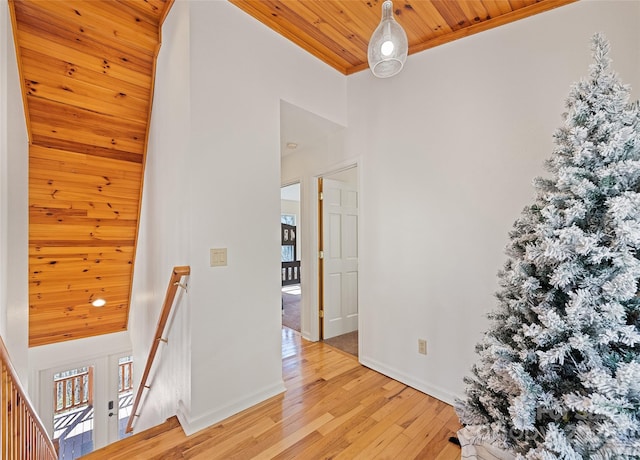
point(388, 46)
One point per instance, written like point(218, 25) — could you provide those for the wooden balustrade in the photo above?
point(125, 376)
point(73, 391)
point(22, 435)
point(174, 282)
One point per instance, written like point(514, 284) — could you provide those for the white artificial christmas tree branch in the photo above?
point(558, 374)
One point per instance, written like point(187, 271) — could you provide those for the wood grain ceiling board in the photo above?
point(337, 31)
point(87, 72)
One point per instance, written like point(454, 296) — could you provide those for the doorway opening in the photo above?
point(90, 403)
point(73, 412)
point(290, 256)
point(338, 259)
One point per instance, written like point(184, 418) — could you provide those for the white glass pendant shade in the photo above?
point(388, 46)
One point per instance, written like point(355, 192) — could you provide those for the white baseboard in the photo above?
point(193, 425)
point(425, 387)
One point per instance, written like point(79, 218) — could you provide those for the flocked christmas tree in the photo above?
point(558, 374)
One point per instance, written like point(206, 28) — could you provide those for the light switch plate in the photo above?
point(422, 346)
point(218, 257)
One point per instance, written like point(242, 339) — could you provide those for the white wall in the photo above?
point(447, 152)
point(163, 239)
point(448, 158)
point(235, 146)
point(233, 72)
point(14, 293)
point(4, 31)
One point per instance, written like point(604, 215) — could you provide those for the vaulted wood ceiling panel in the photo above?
point(106, 20)
point(87, 72)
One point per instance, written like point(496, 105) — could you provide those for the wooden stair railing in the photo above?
point(73, 391)
point(22, 434)
point(174, 283)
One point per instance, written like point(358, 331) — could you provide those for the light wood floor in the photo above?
point(333, 408)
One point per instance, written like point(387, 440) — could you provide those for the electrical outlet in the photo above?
point(422, 346)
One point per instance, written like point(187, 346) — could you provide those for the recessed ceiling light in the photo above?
point(292, 145)
point(99, 303)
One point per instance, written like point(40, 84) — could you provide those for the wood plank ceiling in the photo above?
point(87, 70)
point(338, 31)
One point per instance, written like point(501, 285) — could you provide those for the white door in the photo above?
point(340, 275)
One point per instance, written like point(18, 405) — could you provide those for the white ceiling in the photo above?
point(302, 128)
point(290, 192)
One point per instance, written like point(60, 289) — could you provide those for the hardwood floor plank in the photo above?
point(380, 432)
point(294, 452)
point(427, 420)
point(333, 408)
point(305, 430)
point(380, 444)
point(426, 437)
point(342, 433)
point(340, 421)
point(215, 439)
point(394, 449)
point(439, 441)
point(398, 405)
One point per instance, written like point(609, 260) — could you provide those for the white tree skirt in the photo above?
point(480, 451)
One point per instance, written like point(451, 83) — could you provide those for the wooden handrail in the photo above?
point(174, 282)
point(22, 434)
